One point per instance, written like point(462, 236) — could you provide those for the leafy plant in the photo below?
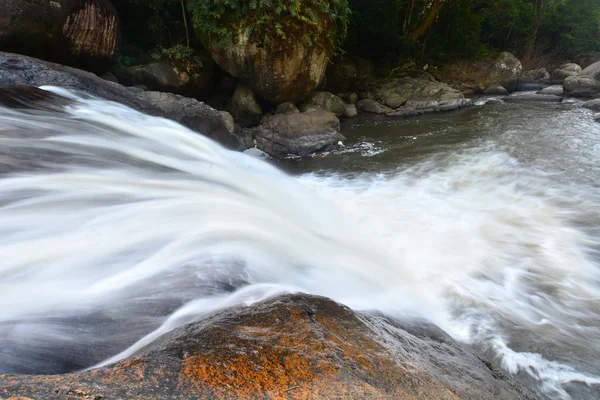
point(267, 22)
point(180, 56)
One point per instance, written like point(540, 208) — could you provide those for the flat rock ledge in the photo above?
point(294, 346)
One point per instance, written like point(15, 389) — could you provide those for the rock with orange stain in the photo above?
point(292, 347)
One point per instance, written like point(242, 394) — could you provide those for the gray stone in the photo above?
point(301, 134)
point(21, 70)
point(351, 111)
point(532, 98)
point(394, 92)
point(109, 76)
point(592, 104)
point(556, 90)
point(244, 107)
point(414, 108)
point(505, 71)
point(494, 102)
point(371, 106)
point(584, 84)
point(156, 76)
point(564, 71)
point(539, 74)
point(324, 101)
point(254, 152)
point(229, 121)
point(287, 108)
point(495, 90)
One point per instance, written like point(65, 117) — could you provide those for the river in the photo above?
point(116, 227)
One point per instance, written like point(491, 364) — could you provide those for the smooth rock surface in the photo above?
point(556, 90)
point(526, 84)
point(324, 101)
point(291, 347)
point(585, 84)
point(244, 107)
point(281, 135)
point(22, 70)
point(592, 104)
point(505, 71)
point(496, 90)
point(527, 98)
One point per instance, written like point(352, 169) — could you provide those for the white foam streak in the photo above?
point(482, 246)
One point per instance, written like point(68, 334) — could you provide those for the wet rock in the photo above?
point(371, 106)
point(505, 71)
point(290, 347)
point(32, 98)
point(414, 108)
point(592, 104)
point(22, 70)
point(244, 107)
point(83, 33)
point(494, 102)
point(287, 108)
point(300, 134)
point(563, 72)
point(529, 98)
point(539, 74)
point(395, 92)
point(229, 121)
point(556, 90)
point(254, 152)
point(495, 90)
point(109, 76)
point(155, 76)
point(585, 84)
point(351, 111)
point(324, 101)
point(529, 84)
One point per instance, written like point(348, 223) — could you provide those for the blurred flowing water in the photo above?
point(116, 227)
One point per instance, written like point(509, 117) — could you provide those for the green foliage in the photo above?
point(315, 22)
point(180, 56)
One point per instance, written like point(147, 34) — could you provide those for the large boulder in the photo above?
point(84, 33)
point(495, 90)
point(395, 92)
point(563, 72)
point(22, 70)
point(297, 134)
point(584, 84)
point(505, 71)
point(290, 347)
point(324, 101)
point(155, 76)
point(244, 107)
point(556, 90)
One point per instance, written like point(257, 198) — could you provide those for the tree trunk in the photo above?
point(187, 33)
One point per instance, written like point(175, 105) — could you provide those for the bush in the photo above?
point(267, 22)
point(180, 56)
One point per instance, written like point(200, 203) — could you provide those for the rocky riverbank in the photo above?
point(291, 347)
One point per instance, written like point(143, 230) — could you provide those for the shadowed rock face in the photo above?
point(83, 33)
point(18, 70)
point(292, 347)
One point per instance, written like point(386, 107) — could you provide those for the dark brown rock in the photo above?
point(291, 347)
point(84, 33)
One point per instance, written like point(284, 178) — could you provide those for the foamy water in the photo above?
point(122, 212)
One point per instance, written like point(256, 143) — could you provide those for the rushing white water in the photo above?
point(109, 215)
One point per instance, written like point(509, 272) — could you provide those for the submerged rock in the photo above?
point(496, 90)
point(298, 134)
point(556, 90)
point(22, 70)
point(529, 98)
point(290, 347)
point(32, 98)
point(584, 84)
point(592, 104)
